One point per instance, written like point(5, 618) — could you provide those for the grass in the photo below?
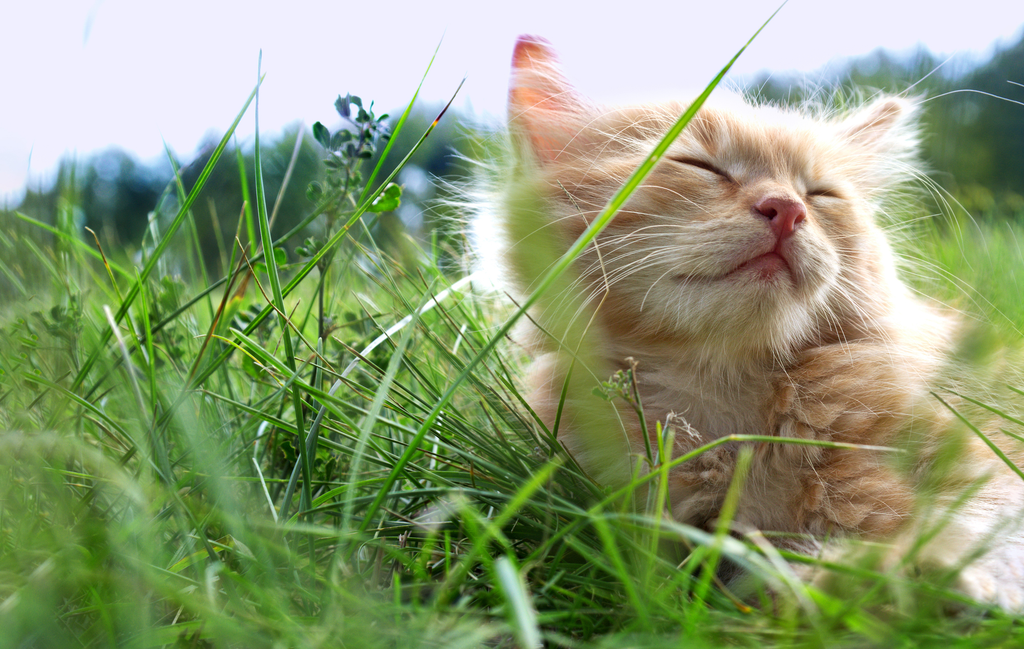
point(191, 466)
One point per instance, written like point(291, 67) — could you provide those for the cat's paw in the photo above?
point(996, 579)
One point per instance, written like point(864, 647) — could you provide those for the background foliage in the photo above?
point(201, 446)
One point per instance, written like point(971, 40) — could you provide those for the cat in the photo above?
point(748, 288)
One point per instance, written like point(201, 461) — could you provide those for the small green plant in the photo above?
point(347, 153)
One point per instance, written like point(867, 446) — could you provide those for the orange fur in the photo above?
point(749, 284)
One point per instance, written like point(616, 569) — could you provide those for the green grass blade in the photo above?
point(197, 249)
point(974, 429)
point(371, 417)
point(521, 614)
point(74, 241)
point(163, 243)
point(275, 287)
point(448, 589)
point(398, 129)
point(561, 266)
point(250, 220)
point(311, 264)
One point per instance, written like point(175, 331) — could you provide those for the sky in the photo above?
point(81, 76)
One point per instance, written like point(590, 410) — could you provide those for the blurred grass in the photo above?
point(981, 263)
point(150, 431)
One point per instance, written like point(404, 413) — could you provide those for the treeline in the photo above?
point(127, 203)
point(974, 146)
point(973, 117)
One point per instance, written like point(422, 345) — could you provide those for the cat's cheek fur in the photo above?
point(693, 286)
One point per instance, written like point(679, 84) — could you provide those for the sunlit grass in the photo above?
point(191, 466)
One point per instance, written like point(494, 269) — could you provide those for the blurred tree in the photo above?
point(222, 201)
point(987, 147)
point(116, 193)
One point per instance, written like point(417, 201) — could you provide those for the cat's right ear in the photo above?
point(885, 131)
point(544, 110)
point(884, 127)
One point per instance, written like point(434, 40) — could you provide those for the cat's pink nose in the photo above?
point(783, 214)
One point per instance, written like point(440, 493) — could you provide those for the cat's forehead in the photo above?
point(725, 112)
point(726, 124)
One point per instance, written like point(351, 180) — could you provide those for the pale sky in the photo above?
point(79, 76)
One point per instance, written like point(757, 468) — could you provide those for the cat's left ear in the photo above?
point(544, 109)
point(884, 127)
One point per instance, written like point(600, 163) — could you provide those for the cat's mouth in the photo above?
point(766, 266)
point(771, 266)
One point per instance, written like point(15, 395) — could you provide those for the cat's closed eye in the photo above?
point(701, 164)
point(824, 192)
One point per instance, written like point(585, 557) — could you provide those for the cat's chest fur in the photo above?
point(711, 401)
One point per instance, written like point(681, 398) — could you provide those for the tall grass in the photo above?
point(191, 466)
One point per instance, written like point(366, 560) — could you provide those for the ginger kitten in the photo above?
point(750, 288)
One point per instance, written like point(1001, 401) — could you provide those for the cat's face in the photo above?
point(756, 232)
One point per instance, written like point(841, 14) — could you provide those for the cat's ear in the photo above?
point(885, 132)
point(543, 108)
point(885, 127)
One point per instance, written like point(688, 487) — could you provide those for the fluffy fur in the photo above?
point(751, 289)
